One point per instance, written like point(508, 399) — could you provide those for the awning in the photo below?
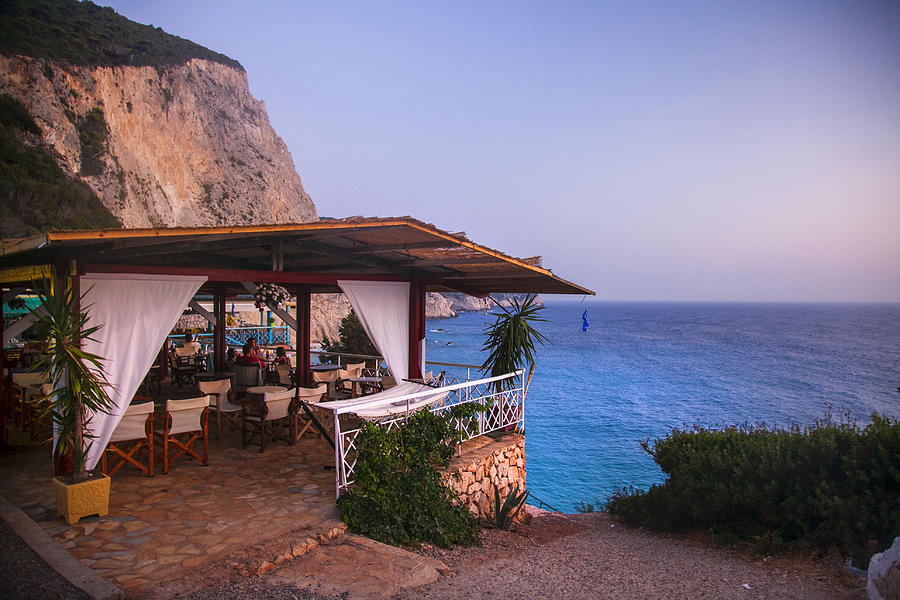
point(314, 254)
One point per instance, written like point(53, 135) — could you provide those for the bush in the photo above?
point(353, 338)
point(831, 485)
point(398, 496)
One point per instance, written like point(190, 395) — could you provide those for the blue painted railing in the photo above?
point(238, 336)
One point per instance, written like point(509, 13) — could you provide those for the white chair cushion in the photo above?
point(215, 387)
point(186, 414)
point(315, 393)
point(277, 399)
point(29, 378)
point(131, 427)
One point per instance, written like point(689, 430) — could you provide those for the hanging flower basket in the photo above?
point(270, 294)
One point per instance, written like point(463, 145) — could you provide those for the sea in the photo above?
point(642, 369)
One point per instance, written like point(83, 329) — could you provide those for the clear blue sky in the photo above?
point(650, 151)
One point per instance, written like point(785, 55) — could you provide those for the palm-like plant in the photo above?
point(512, 338)
point(78, 377)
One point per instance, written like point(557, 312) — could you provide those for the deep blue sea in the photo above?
point(644, 368)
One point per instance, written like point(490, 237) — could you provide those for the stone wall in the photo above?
point(486, 463)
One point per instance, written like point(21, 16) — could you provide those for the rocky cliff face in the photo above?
point(178, 145)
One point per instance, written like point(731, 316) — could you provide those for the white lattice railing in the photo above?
point(506, 409)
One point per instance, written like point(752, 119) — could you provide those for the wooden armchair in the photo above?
point(20, 381)
point(268, 414)
point(304, 418)
point(245, 377)
point(136, 427)
point(329, 378)
point(222, 407)
point(187, 420)
point(184, 367)
point(284, 375)
point(37, 418)
point(354, 370)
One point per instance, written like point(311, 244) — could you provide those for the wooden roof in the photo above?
point(322, 251)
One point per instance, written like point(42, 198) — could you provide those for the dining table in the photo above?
point(362, 383)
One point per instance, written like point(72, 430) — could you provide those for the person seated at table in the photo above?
point(250, 357)
point(280, 357)
point(230, 358)
point(189, 346)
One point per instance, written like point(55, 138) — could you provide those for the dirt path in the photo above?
point(589, 556)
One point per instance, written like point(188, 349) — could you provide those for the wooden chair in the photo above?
point(183, 368)
point(387, 382)
point(284, 375)
point(223, 408)
point(136, 426)
point(246, 376)
point(37, 418)
point(20, 381)
point(186, 419)
point(304, 420)
point(268, 414)
point(329, 378)
point(354, 370)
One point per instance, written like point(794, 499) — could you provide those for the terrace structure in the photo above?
point(138, 282)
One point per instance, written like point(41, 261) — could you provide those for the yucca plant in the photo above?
point(505, 514)
point(78, 377)
point(512, 338)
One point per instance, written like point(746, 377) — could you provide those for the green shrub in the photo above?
point(353, 338)
point(397, 496)
point(831, 485)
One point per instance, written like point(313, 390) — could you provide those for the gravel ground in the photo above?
point(254, 588)
point(25, 576)
point(571, 556)
point(590, 556)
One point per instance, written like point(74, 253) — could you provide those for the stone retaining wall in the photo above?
point(486, 463)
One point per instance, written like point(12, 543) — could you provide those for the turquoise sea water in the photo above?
point(643, 368)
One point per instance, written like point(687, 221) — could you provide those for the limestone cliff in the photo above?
point(175, 145)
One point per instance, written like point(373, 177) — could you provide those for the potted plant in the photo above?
point(79, 387)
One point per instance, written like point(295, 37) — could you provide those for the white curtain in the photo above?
point(383, 310)
point(135, 313)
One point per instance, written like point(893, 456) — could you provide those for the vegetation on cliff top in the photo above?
point(35, 194)
point(84, 34)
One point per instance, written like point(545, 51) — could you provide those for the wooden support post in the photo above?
point(304, 375)
point(416, 327)
point(219, 331)
point(4, 389)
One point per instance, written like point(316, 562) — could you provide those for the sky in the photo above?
point(659, 151)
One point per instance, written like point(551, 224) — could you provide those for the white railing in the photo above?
point(505, 409)
point(343, 358)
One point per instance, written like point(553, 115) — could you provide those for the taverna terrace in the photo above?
point(245, 504)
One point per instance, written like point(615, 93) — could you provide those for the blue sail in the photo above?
point(584, 324)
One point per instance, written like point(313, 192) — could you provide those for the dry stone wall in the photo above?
point(486, 463)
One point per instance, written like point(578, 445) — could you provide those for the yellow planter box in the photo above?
point(82, 499)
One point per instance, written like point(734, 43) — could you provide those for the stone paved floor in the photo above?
point(174, 532)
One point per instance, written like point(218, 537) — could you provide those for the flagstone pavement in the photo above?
point(245, 513)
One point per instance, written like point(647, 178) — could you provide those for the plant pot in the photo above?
point(82, 499)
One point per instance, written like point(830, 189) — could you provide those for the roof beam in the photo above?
point(398, 247)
